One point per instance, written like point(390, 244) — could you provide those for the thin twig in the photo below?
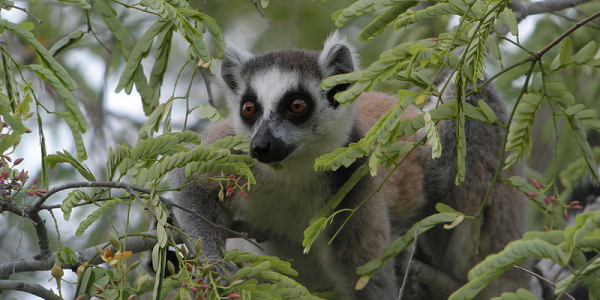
point(6, 5)
point(541, 278)
point(566, 33)
point(139, 199)
point(262, 13)
point(207, 81)
point(410, 261)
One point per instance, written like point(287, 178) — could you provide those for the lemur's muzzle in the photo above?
point(267, 148)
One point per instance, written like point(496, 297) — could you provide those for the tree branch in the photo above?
point(134, 244)
point(34, 289)
point(42, 234)
point(524, 9)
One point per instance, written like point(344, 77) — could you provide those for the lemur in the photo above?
point(275, 102)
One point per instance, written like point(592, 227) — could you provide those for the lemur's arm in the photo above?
point(203, 198)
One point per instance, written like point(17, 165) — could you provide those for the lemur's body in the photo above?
point(277, 105)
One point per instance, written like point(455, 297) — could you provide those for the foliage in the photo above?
point(134, 172)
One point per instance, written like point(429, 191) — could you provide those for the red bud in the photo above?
point(18, 161)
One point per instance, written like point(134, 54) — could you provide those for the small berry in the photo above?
point(546, 201)
point(532, 194)
point(184, 285)
point(566, 215)
point(234, 296)
point(204, 286)
point(194, 289)
point(199, 280)
point(27, 130)
point(535, 183)
point(573, 203)
point(552, 198)
point(189, 266)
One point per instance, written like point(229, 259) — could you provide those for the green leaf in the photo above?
point(27, 26)
point(312, 232)
point(521, 294)
point(71, 201)
point(80, 3)
point(438, 10)
point(565, 283)
point(95, 215)
point(565, 50)
point(109, 16)
point(66, 157)
point(406, 240)
point(585, 53)
point(519, 131)
point(433, 139)
point(342, 157)
point(530, 191)
point(209, 112)
point(139, 51)
point(580, 136)
point(509, 18)
point(383, 20)
point(48, 60)
point(496, 264)
point(65, 94)
point(65, 43)
point(159, 69)
point(73, 125)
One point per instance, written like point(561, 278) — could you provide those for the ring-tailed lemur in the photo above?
point(275, 102)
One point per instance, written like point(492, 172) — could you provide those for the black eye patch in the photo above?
point(249, 97)
point(331, 93)
point(296, 106)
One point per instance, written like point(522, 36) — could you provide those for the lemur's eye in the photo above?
point(249, 109)
point(298, 106)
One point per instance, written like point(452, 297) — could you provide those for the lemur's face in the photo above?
point(278, 106)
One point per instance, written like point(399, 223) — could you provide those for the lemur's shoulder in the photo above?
point(403, 192)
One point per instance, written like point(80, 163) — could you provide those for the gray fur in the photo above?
point(281, 204)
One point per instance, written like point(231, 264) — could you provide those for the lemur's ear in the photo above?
point(231, 67)
point(338, 56)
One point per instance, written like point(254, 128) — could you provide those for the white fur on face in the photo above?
point(326, 130)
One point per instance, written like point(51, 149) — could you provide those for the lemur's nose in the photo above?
point(260, 150)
